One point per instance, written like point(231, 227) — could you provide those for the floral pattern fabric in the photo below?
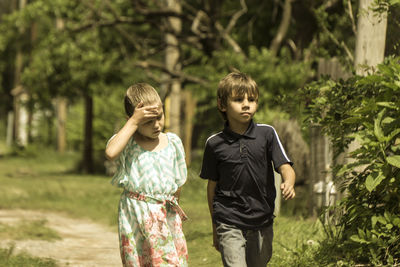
point(149, 218)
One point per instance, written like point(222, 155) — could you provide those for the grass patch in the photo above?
point(8, 259)
point(295, 241)
point(28, 230)
point(46, 181)
point(197, 228)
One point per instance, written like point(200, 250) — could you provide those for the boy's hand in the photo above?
point(287, 191)
point(142, 114)
point(215, 240)
point(289, 178)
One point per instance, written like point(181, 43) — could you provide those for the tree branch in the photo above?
point(236, 16)
point(340, 44)
point(329, 4)
point(353, 24)
point(110, 23)
point(228, 38)
point(283, 27)
point(197, 23)
point(174, 74)
point(223, 32)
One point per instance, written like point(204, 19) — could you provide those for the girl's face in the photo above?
point(152, 128)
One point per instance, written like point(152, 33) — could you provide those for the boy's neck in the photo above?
point(239, 128)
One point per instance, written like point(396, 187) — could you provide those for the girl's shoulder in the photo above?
point(174, 138)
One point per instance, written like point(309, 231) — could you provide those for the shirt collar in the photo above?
point(231, 136)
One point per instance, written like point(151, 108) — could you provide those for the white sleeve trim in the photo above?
point(279, 141)
point(212, 136)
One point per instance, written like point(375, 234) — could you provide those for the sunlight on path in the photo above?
point(84, 243)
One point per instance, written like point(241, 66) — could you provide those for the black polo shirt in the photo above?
point(242, 167)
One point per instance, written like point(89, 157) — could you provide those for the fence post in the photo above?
point(324, 192)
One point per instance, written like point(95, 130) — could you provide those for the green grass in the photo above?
point(9, 259)
point(44, 180)
point(197, 228)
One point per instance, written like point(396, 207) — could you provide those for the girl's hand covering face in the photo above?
point(143, 114)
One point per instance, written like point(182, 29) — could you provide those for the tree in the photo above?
point(133, 34)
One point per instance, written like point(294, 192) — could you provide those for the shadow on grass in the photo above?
point(193, 235)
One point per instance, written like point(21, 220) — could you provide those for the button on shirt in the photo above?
point(242, 167)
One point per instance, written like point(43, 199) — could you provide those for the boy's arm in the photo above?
point(210, 197)
point(118, 143)
point(289, 177)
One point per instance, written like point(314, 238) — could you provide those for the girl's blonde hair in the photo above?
point(140, 92)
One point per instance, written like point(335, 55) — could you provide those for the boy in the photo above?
point(238, 165)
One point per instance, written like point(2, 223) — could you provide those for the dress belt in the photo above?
point(168, 202)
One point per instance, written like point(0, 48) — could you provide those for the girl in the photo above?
point(151, 169)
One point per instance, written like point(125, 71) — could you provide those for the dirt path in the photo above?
point(83, 244)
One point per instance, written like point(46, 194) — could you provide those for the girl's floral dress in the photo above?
point(150, 220)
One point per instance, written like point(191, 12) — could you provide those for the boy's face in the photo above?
point(152, 128)
point(240, 109)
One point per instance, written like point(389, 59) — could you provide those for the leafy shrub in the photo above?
point(365, 109)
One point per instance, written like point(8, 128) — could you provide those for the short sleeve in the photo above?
point(209, 165)
point(120, 177)
point(277, 151)
point(180, 163)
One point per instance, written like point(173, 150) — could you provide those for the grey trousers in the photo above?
point(241, 248)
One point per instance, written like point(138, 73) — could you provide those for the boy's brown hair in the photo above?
point(235, 84)
point(139, 92)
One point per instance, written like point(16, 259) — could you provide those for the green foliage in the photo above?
point(73, 61)
point(277, 78)
point(365, 109)
point(334, 28)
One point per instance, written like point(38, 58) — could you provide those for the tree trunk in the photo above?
point(61, 109)
point(10, 128)
point(370, 44)
point(371, 37)
point(61, 106)
point(87, 162)
point(172, 55)
point(18, 129)
point(321, 182)
point(31, 107)
point(190, 105)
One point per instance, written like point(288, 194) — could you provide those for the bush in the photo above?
point(365, 109)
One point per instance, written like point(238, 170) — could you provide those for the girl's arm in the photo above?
point(140, 116)
point(118, 143)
